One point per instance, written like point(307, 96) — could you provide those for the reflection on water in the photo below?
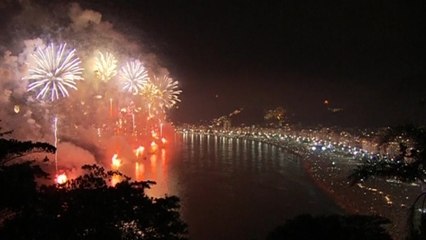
point(230, 188)
point(152, 166)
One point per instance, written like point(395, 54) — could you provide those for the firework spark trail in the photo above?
point(105, 66)
point(134, 76)
point(55, 70)
point(55, 131)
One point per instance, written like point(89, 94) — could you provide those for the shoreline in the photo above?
point(307, 167)
point(370, 199)
point(329, 172)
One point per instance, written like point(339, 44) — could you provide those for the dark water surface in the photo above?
point(231, 188)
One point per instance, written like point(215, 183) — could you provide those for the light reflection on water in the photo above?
point(230, 188)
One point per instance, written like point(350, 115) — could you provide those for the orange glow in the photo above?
point(115, 179)
point(326, 102)
point(61, 178)
point(153, 160)
point(139, 171)
point(163, 140)
point(139, 151)
point(163, 156)
point(110, 107)
point(116, 162)
point(154, 147)
point(154, 134)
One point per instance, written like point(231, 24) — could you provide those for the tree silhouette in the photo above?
point(89, 207)
point(408, 166)
point(11, 149)
point(333, 227)
point(18, 178)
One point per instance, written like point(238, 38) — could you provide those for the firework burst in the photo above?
point(56, 68)
point(133, 76)
point(105, 66)
point(150, 92)
point(168, 91)
point(152, 96)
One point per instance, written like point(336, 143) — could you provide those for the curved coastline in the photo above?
point(375, 197)
point(330, 176)
point(307, 164)
point(329, 173)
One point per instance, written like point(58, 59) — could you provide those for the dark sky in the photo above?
point(367, 57)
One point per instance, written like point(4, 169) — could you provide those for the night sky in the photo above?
point(366, 57)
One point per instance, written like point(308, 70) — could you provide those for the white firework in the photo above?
point(168, 91)
point(133, 76)
point(105, 66)
point(55, 70)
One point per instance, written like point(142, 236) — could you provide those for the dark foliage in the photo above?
point(388, 169)
point(18, 178)
point(4, 133)
point(90, 208)
point(11, 149)
point(408, 166)
point(417, 219)
point(18, 185)
point(356, 227)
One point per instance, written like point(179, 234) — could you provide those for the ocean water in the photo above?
point(231, 188)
